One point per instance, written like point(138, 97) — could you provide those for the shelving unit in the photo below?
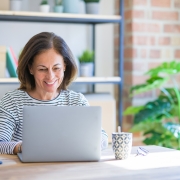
point(12, 16)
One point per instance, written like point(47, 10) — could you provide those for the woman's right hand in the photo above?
point(18, 148)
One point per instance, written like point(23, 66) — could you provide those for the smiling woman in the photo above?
point(46, 68)
point(48, 71)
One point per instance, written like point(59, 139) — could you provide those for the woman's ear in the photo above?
point(30, 69)
point(64, 67)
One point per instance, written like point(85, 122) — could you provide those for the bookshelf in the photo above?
point(88, 80)
point(12, 16)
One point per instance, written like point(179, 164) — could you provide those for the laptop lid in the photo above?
point(61, 133)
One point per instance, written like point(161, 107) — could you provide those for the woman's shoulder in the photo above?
point(12, 94)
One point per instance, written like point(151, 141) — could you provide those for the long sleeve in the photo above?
point(104, 140)
point(7, 126)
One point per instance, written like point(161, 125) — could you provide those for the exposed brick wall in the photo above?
point(152, 35)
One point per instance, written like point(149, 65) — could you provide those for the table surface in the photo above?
point(160, 164)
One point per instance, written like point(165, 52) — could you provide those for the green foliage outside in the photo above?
point(43, 2)
point(159, 120)
point(87, 56)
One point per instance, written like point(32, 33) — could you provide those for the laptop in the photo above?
point(61, 133)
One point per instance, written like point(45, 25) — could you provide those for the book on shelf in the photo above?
point(11, 62)
point(2, 61)
point(14, 56)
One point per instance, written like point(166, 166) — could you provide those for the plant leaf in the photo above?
point(172, 67)
point(173, 128)
point(154, 110)
point(151, 83)
point(132, 110)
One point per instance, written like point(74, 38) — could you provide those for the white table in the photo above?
point(160, 164)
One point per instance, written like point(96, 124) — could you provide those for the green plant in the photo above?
point(159, 120)
point(43, 2)
point(87, 56)
point(58, 2)
point(89, 1)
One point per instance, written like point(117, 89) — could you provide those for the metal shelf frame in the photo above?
point(13, 16)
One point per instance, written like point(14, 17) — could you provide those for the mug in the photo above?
point(122, 144)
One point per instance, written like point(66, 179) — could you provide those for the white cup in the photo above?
point(122, 144)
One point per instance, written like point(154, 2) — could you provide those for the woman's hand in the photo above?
point(18, 148)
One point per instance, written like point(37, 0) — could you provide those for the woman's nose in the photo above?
point(50, 74)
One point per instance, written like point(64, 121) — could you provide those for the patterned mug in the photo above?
point(122, 144)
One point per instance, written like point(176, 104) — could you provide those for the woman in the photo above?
point(46, 67)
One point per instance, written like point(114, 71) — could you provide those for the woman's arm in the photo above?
point(10, 147)
point(104, 140)
point(7, 126)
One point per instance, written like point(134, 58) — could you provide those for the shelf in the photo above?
point(87, 80)
point(94, 80)
point(23, 16)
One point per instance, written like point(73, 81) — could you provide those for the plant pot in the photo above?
point(58, 9)
point(71, 6)
point(15, 5)
point(44, 8)
point(87, 69)
point(92, 8)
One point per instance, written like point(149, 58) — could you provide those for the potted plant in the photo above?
point(44, 6)
point(86, 63)
point(159, 119)
point(58, 6)
point(71, 6)
point(15, 5)
point(92, 6)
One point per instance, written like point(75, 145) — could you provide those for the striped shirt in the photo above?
point(11, 115)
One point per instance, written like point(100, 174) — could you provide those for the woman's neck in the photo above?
point(43, 96)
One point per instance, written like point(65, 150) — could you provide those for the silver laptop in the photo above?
point(64, 133)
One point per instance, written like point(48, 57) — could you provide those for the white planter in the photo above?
point(86, 69)
point(15, 5)
point(92, 8)
point(58, 9)
point(44, 8)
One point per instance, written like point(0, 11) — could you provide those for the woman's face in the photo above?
point(48, 70)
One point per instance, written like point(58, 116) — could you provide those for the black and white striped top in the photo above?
point(11, 115)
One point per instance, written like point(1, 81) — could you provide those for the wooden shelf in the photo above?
point(23, 16)
point(94, 80)
point(87, 80)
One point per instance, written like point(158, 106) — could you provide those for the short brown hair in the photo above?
point(38, 44)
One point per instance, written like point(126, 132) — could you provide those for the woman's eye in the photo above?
point(42, 69)
point(56, 68)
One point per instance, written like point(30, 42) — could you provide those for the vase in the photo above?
point(44, 8)
point(15, 5)
point(58, 9)
point(92, 8)
point(71, 6)
point(87, 69)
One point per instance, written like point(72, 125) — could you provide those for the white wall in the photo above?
point(16, 34)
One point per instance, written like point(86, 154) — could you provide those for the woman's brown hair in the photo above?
point(36, 45)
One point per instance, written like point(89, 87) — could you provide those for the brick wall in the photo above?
point(152, 35)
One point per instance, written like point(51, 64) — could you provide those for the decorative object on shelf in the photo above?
point(2, 61)
point(44, 6)
point(71, 6)
point(86, 63)
point(159, 119)
point(58, 7)
point(15, 5)
point(92, 6)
